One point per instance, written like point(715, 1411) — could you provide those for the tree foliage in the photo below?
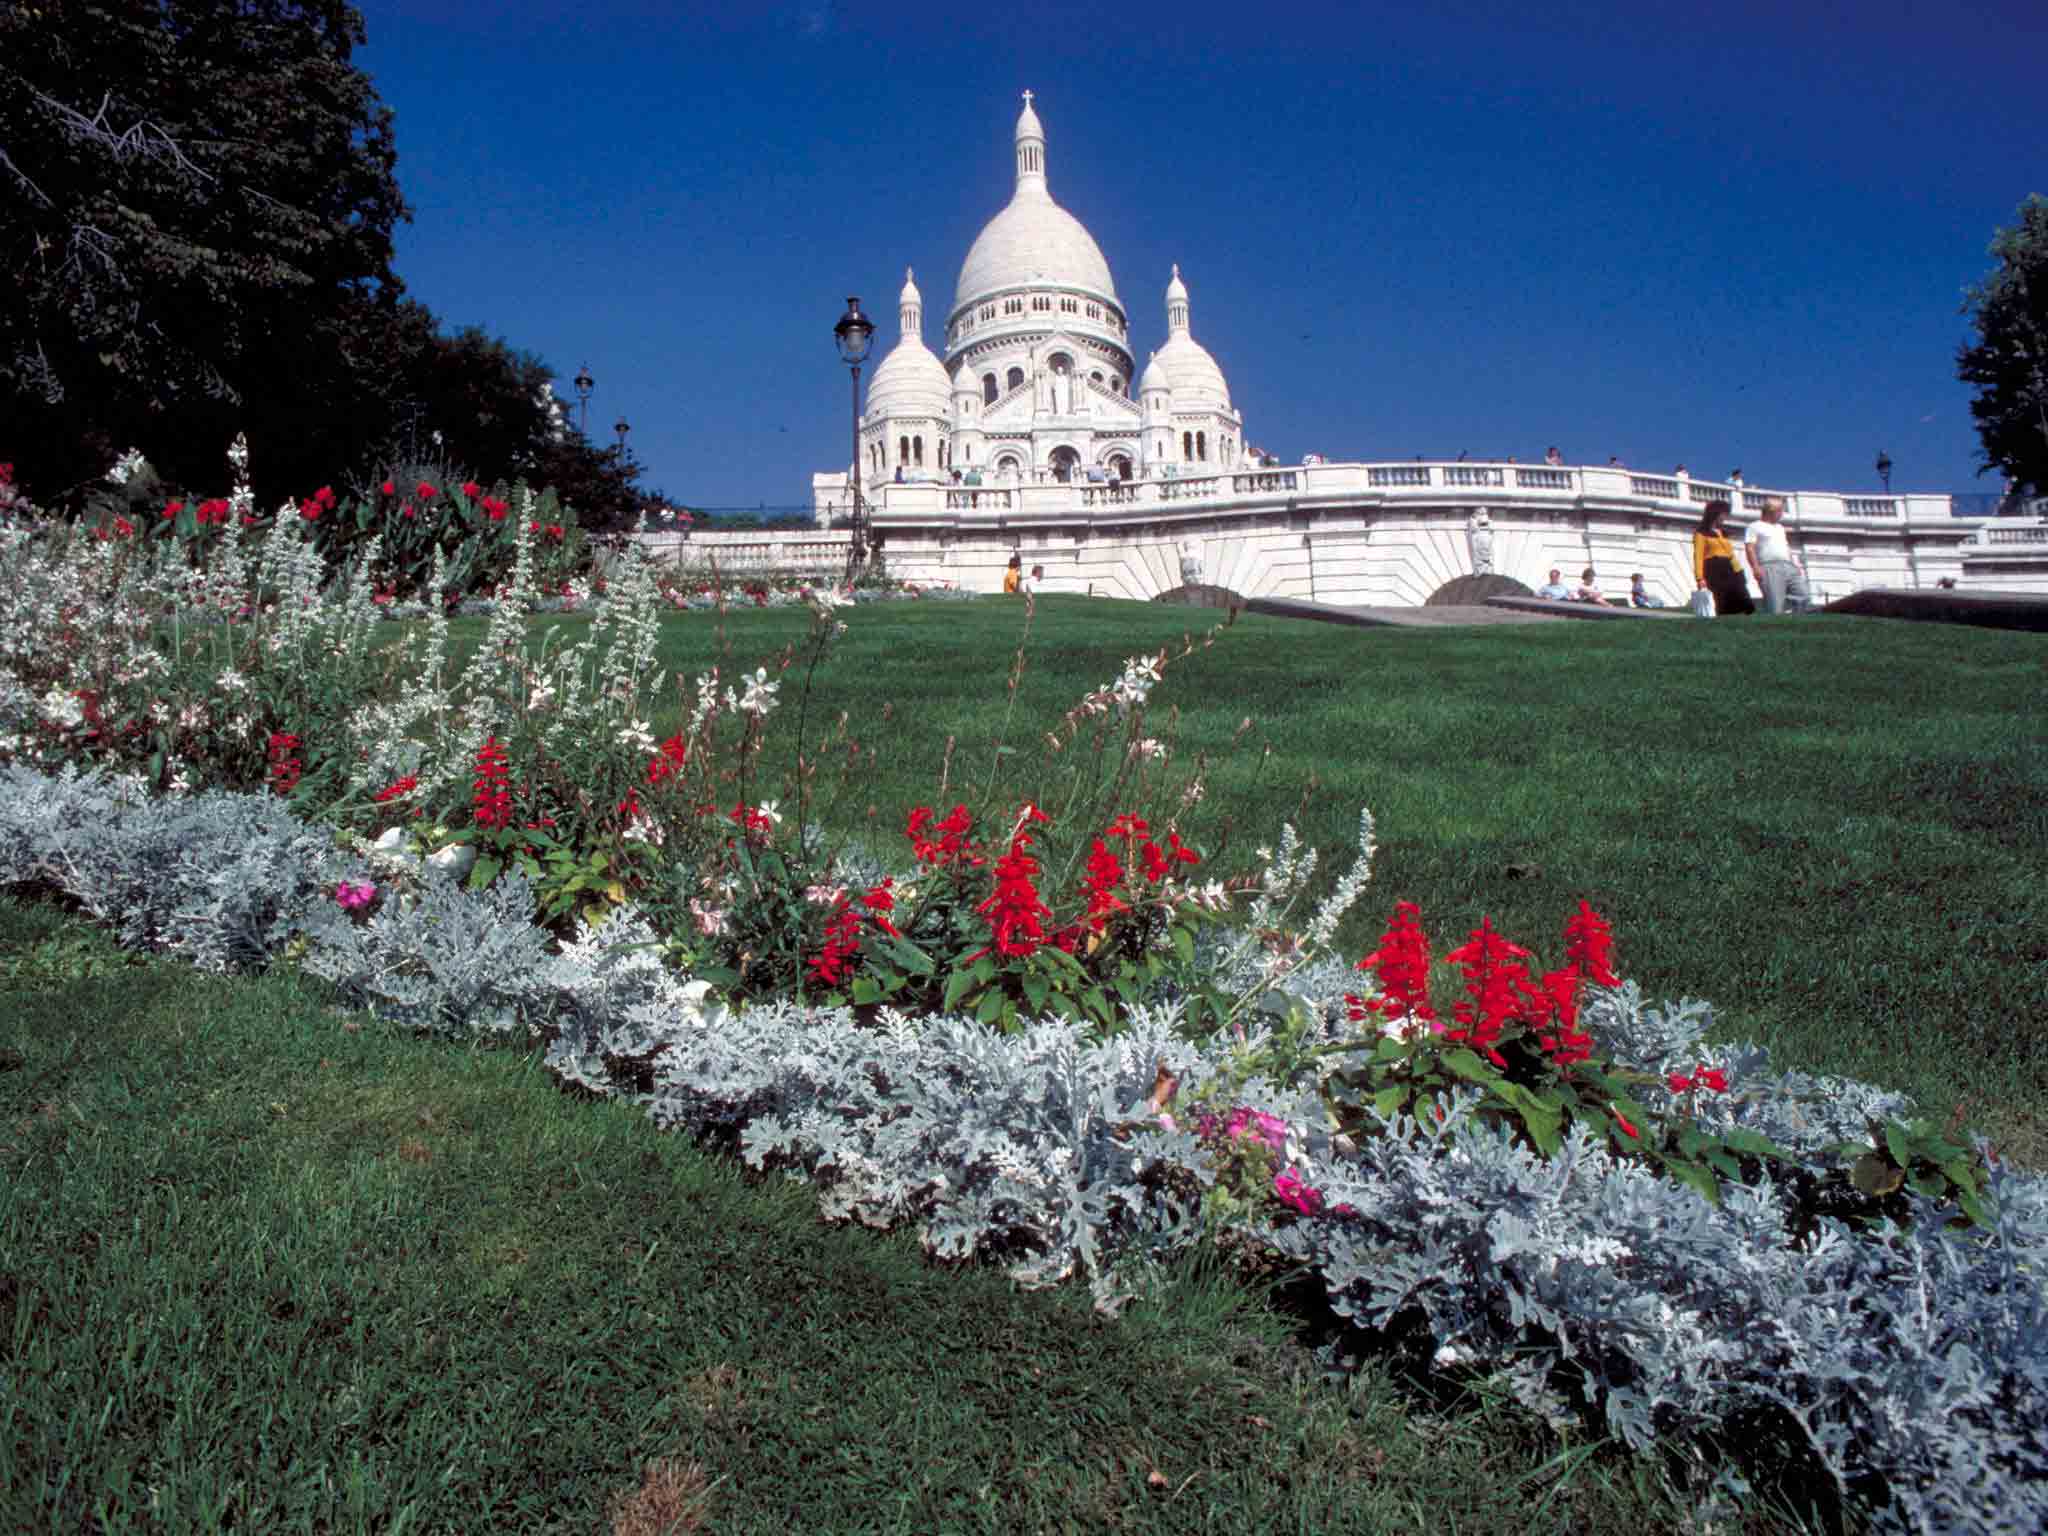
point(197, 204)
point(2009, 363)
point(200, 203)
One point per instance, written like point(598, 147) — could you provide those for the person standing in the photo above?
point(1713, 563)
point(1013, 575)
point(1769, 552)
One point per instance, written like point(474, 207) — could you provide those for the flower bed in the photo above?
point(1910, 1357)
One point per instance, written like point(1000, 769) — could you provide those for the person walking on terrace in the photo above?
point(1769, 551)
point(1713, 563)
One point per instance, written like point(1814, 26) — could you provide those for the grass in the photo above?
point(1833, 829)
point(269, 1266)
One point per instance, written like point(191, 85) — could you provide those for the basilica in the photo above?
point(1038, 383)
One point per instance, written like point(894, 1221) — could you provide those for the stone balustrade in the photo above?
point(1394, 533)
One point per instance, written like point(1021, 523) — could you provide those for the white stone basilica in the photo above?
point(1037, 382)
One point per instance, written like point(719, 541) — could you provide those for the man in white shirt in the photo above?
point(1554, 589)
point(1769, 552)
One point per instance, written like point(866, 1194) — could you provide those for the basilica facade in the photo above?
point(1038, 383)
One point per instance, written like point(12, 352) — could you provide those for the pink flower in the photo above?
point(351, 896)
point(1290, 1189)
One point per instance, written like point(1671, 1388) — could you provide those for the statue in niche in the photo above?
point(1479, 534)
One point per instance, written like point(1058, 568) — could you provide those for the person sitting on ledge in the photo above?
point(1554, 589)
point(1588, 591)
point(1639, 595)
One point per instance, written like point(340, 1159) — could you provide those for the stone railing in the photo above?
point(1500, 487)
point(973, 498)
point(2036, 534)
point(1397, 474)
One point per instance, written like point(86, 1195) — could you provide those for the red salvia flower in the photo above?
point(1589, 945)
point(388, 488)
point(425, 492)
point(398, 789)
point(471, 489)
point(1402, 965)
point(1014, 912)
point(172, 509)
point(491, 805)
point(1496, 984)
point(285, 765)
point(1105, 874)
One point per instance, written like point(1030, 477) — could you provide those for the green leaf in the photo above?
point(1466, 1064)
point(1543, 1117)
point(906, 954)
point(958, 985)
point(1740, 1140)
point(1874, 1176)
point(1388, 1101)
point(1184, 944)
point(1693, 1174)
point(866, 990)
point(1899, 1142)
point(991, 1008)
point(1036, 990)
point(1961, 1173)
point(484, 871)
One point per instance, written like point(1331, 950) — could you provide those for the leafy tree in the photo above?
point(2009, 364)
point(196, 237)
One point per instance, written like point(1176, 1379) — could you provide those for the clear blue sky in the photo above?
point(1731, 235)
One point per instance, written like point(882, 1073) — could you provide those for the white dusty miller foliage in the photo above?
point(1914, 1363)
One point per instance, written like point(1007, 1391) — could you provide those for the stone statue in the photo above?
point(1479, 534)
point(1190, 564)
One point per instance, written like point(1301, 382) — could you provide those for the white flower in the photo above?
point(541, 697)
point(127, 467)
point(636, 734)
point(826, 598)
point(1142, 668)
point(767, 812)
point(1148, 748)
point(62, 710)
point(759, 698)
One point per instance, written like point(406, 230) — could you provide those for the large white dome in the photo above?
point(1034, 242)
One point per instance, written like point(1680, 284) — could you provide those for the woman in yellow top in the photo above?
point(1713, 563)
point(1014, 574)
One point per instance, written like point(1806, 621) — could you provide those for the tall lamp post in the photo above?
point(622, 427)
point(1884, 470)
point(584, 385)
point(855, 333)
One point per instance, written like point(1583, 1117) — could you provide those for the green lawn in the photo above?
point(268, 1266)
point(1833, 829)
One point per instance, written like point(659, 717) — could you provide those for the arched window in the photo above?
point(1202, 446)
point(902, 450)
point(1187, 445)
point(1095, 377)
point(1016, 377)
point(1116, 385)
point(917, 449)
point(988, 389)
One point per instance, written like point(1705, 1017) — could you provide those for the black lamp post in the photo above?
point(584, 385)
point(1884, 470)
point(622, 427)
point(855, 333)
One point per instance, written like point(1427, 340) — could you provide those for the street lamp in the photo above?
point(584, 385)
point(1884, 470)
point(622, 427)
point(855, 333)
